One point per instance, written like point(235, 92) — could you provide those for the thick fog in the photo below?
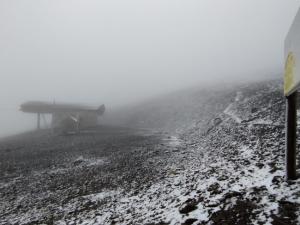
point(117, 52)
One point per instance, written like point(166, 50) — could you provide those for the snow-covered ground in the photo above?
point(232, 174)
point(225, 165)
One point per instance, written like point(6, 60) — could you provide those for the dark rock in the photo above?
point(254, 110)
point(214, 189)
point(241, 213)
point(276, 180)
point(189, 221)
point(222, 178)
point(260, 189)
point(259, 165)
point(159, 223)
point(231, 195)
point(188, 206)
point(287, 213)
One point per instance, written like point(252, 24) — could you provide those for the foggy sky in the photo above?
point(115, 52)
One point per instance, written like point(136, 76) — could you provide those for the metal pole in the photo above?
point(291, 129)
point(38, 121)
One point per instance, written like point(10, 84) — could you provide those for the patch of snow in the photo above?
point(262, 122)
point(230, 113)
point(246, 152)
point(101, 195)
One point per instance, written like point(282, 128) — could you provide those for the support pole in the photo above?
point(291, 129)
point(38, 121)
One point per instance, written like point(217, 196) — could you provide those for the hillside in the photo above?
point(174, 112)
point(231, 167)
point(204, 159)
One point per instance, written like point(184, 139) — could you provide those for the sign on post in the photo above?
point(291, 84)
point(292, 56)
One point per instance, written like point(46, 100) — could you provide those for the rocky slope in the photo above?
point(224, 166)
point(175, 112)
point(229, 168)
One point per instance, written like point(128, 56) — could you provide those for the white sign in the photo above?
point(292, 56)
